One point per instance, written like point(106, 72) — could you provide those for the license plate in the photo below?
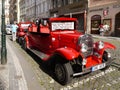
point(97, 67)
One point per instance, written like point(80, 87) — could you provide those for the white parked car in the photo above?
point(8, 29)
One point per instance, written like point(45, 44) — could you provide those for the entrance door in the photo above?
point(95, 22)
point(117, 25)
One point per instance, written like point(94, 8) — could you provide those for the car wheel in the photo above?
point(20, 40)
point(63, 73)
point(24, 45)
point(105, 59)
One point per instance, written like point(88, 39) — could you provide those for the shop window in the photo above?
point(108, 22)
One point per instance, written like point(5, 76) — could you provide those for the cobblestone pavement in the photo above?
point(99, 80)
point(2, 85)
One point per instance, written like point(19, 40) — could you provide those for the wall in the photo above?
point(112, 8)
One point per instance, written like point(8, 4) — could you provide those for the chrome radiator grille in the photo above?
point(87, 40)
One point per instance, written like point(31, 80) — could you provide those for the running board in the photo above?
point(39, 54)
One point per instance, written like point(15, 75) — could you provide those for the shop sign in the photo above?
point(105, 12)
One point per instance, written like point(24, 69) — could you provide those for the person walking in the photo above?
point(106, 27)
point(14, 30)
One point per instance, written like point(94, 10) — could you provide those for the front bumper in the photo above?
point(88, 70)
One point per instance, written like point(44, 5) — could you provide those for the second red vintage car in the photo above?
point(21, 31)
point(70, 53)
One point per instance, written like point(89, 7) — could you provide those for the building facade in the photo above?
point(0, 12)
point(14, 11)
point(104, 11)
point(7, 5)
point(70, 8)
point(22, 10)
point(37, 9)
point(98, 11)
point(6, 11)
point(90, 13)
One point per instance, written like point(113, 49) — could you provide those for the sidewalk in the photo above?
point(11, 74)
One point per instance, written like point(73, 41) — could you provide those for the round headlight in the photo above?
point(100, 45)
point(84, 48)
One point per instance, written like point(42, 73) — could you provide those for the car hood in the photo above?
point(68, 39)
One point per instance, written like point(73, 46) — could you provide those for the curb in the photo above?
point(18, 75)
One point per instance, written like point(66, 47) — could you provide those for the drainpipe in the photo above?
point(35, 9)
point(85, 16)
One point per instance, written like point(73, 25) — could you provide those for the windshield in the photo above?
point(25, 25)
point(63, 26)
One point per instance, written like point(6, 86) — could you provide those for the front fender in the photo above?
point(109, 46)
point(68, 53)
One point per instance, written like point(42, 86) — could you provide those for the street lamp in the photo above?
point(3, 36)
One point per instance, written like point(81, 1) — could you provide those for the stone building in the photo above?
point(98, 11)
point(6, 11)
point(14, 11)
point(22, 10)
point(70, 8)
point(7, 5)
point(37, 9)
point(104, 11)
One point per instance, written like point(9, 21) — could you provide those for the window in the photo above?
point(66, 2)
point(54, 3)
point(75, 1)
point(62, 2)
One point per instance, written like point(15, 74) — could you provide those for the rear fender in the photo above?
point(67, 53)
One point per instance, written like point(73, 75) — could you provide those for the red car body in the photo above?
point(70, 52)
point(22, 29)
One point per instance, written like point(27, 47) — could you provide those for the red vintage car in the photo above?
point(69, 52)
point(21, 31)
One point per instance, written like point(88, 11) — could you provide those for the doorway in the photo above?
point(95, 22)
point(117, 25)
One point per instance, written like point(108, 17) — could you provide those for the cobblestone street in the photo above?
point(1, 85)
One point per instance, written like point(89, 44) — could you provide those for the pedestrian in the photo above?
point(14, 30)
point(101, 30)
point(106, 27)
